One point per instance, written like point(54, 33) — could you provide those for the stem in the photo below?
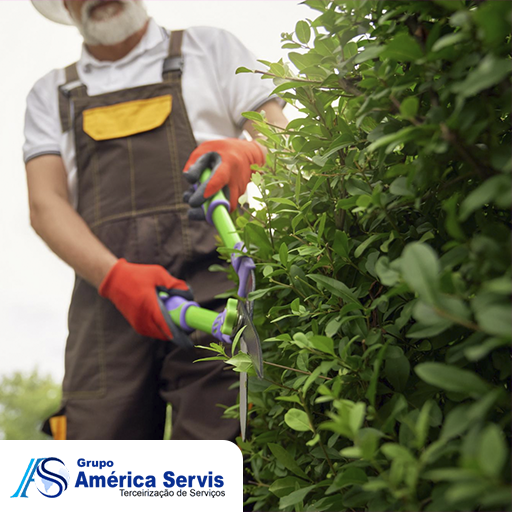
point(294, 370)
point(306, 408)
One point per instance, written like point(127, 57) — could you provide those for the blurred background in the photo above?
point(35, 286)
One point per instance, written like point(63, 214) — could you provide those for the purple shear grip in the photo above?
point(174, 302)
point(217, 326)
point(183, 321)
point(243, 266)
point(211, 208)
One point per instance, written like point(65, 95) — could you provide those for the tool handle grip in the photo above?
point(216, 210)
point(189, 316)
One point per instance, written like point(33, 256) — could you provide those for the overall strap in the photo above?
point(72, 86)
point(173, 64)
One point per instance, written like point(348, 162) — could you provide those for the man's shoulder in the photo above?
point(207, 36)
point(48, 82)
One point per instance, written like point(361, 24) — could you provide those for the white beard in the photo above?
point(111, 29)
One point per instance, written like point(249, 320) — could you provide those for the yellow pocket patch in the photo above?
point(58, 426)
point(125, 119)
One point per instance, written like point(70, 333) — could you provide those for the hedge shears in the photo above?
point(237, 316)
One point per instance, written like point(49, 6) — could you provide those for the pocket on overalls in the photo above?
point(56, 425)
point(126, 119)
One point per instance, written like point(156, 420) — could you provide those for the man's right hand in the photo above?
point(133, 287)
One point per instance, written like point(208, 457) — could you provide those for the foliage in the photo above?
point(25, 402)
point(383, 252)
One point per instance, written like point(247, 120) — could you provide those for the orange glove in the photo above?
point(230, 161)
point(133, 290)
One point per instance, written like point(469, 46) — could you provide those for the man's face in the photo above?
point(95, 10)
point(107, 22)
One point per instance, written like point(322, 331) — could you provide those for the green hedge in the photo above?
point(383, 252)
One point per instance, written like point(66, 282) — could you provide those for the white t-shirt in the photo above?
point(214, 95)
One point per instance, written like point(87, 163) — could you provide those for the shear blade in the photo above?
point(243, 404)
point(251, 339)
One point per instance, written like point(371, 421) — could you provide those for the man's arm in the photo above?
point(59, 225)
point(273, 114)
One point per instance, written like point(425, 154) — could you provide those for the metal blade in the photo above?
point(250, 286)
point(251, 339)
point(243, 396)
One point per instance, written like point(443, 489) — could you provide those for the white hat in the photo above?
point(53, 10)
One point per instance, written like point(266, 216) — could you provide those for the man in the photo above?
point(107, 141)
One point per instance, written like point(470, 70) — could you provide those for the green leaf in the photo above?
point(253, 116)
point(395, 451)
point(340, 245)
point(295, 497)
point(397, 372)
point(303, 31)
point(258, 236)
point(451, 378)
point(401, 187)
point(370, 52)
point(284, 486)
point(335, 287)
point(449, 40)
point(351, 476)
point(369, 241)
point(286, 459)
point(243, 70)
point(402, 48)
point(495, 319)
point(493, 451)
point(409, 107)
point(357, 415)
point(283, 254)
point(292, 398)
point(322, 343)
point(484, 194)
point(490, 72)
point(420, 269)
point(478, 352)
point(297, 420)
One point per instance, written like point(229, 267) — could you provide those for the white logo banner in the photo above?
point(188, 476)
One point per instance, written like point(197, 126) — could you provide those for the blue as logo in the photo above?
point(50, 476)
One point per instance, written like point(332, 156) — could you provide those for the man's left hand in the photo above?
point(230, 161)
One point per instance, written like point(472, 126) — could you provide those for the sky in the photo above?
point(35, 286)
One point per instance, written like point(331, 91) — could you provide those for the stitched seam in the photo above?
point(139, 213)
point(84, 394)
point(132, 173)
point(95, 179)
point(185, 235)
point(185, 115)
point(171, 141)
point(158, 237)
point(101, 349)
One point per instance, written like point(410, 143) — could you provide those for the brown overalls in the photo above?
point(131, 148)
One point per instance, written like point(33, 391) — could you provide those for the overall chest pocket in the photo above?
point(126, 119)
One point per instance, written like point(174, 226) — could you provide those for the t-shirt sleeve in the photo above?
point(243, 92)
point(42, 131)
